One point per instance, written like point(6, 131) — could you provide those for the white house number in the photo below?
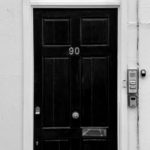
point(74, 51)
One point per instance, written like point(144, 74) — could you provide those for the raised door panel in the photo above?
point(55, 145)
point(55, 32)
point(95, 91)
point(95, 144)
point(95, 31)
point(56, 92)
point(61, 144)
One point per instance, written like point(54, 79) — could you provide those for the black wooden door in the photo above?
point(75, 79)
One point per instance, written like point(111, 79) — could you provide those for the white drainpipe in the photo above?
point(138, 27)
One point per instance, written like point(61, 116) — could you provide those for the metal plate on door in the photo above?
point(94, 132)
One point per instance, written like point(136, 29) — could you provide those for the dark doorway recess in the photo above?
point(75, 79)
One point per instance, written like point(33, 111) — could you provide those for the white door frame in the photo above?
point(28, 65)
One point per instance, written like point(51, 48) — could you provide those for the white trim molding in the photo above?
point(74, 3)
point(28, 72)
point(28, 55)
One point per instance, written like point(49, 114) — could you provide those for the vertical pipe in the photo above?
point(138, 27)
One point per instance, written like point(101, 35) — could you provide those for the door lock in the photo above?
point(37, 110)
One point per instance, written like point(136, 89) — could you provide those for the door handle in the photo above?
point(75, 115)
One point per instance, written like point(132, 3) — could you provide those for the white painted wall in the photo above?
point(10, 75)
point(144, 103)
point(132, 63)
point(11, 71)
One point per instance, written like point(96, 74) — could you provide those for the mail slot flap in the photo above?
point(94, 132)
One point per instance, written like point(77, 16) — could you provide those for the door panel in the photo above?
point(76, 94)
point(55, 145)
point(56, 92)
point(89, 144)
point(95, 87)
point(59, 133)
point(56, 31)
point(94, 31)
point(68, 145)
